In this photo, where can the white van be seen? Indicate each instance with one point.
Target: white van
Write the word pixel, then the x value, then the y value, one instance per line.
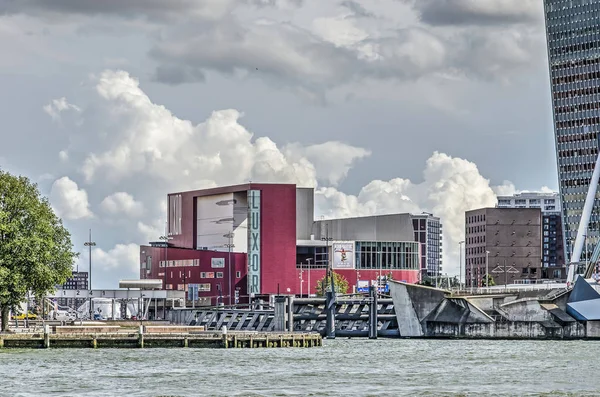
pixel 62 315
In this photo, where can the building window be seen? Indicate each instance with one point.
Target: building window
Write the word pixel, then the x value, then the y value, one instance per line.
pixel 238 274
pixel 204 287
pixel 202 274
pixel 219 274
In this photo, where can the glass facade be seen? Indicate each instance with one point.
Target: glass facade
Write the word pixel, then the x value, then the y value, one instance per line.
pixel 428 231
pixel 387 255
pixel 434 246
pixel 573 38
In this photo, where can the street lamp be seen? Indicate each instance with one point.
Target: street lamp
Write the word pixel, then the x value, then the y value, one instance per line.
pixel 90 244
pixel 329 268
pixel 460 243
pixel 308 287
pixel 229 246
pixel 166 239
pixel 487 273
pixel 301 279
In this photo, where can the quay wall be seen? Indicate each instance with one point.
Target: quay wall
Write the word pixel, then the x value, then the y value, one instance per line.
pixel 513 330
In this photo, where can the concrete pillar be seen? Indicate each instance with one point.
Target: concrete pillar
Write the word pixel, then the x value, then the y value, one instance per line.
pixel 46 336
pixel 290 313
pixel 279 318
pixel 114 309
pixel 373 312
pixel 1 343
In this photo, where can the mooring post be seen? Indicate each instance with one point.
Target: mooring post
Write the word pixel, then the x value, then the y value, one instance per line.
pixel 290 313
pixel 141 337
pixel 224 332
pixel 279 317
pixel 46 336
pixel 373 312
pixel 330 308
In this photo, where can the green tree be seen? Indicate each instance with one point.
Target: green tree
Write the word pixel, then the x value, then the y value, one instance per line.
pixel 490 280
pixel 340 282
pixel 35 248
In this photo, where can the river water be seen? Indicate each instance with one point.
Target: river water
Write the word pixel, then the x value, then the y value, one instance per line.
pixel 342 367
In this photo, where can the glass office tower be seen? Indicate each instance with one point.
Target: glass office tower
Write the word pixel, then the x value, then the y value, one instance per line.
pixel 573 38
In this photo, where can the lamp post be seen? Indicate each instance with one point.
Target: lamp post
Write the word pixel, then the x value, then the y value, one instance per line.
pixel 90 244
pixel 460 266
pixel 329 267
pixel 166 239
pixel 301 279
pixel 471 276
pixel 308 289
pixel 487 273
pixel 229 246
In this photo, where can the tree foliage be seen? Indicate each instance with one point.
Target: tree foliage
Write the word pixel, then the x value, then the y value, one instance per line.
pixel 340 282
pixel 35 248
pixel 490 281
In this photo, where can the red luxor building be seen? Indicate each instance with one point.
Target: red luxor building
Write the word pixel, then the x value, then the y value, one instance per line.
pixel 229 243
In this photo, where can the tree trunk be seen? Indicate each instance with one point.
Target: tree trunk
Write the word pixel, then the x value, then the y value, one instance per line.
pixel 4 327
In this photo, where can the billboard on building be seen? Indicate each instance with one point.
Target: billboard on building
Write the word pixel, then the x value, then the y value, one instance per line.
pixel 343 255
pixel 214 221
pixel 217 263
pixel 253 242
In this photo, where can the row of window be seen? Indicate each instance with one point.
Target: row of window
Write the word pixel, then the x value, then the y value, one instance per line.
pixel 204 287
pixel 578 108
pixel 475 218
pixel 203 274
pixel 578 123
pixel 578 152
pixel 574 65
pixel 576 182
pixel 573 78
pixel 180 263
pixel 570 93
pixel 577 167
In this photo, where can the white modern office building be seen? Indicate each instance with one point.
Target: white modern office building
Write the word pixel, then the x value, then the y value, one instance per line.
pixel 546 202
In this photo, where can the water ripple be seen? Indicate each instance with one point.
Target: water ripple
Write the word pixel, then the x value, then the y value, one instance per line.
pixel 453 368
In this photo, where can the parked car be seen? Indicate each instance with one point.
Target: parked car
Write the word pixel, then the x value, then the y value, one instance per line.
pixel 22 316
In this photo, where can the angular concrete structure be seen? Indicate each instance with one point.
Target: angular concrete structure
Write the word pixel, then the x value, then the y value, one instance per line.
pixel 429 312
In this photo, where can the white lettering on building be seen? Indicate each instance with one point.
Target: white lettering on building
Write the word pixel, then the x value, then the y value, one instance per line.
pixel 254 242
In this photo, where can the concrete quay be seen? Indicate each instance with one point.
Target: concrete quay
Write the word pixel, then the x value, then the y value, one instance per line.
pixel 155 337
pixel 557 313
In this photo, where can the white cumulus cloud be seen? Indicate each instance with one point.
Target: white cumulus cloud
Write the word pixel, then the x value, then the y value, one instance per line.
pixel 69 202
pixel 151 141
pixel 123 259
pixel 122 203
pixel 57 106
pixel 450 187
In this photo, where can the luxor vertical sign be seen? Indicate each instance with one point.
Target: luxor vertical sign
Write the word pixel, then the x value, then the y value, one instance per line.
pixel 254 242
